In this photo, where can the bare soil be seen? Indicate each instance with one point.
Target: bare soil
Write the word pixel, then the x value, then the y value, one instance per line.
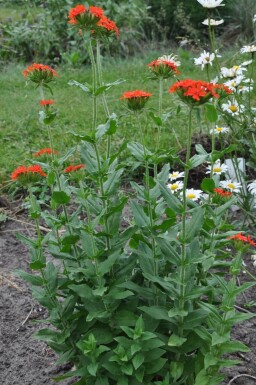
pixel 26 361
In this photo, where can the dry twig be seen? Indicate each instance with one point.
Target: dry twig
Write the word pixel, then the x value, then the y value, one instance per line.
pixel 241 375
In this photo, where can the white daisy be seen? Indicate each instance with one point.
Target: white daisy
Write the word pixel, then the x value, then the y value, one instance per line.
pixel 252 187
pixel 231 186
pixel 243 89
pixel 232 72
pixel 176 175
pixel 211 3
pixel 171 58
pixel 219 130
pixel 253 257
pixel 248 48
pixel 254 19
pixel 176 186
pixel 217 169
pixel 232 107
pixel 204 59
pixel 213 22
pixel 246 63
pixel 193 194
pixel 234 83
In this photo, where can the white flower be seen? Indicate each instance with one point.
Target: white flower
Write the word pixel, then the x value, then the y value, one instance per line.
pixel 211 3
pixel 234 83
pixel 204 59
pixel 217 169
pixel 254 19
pixel 193 194
pixel 253 257
pixel 219 130
pixel 176 175
pixel 171 58
pixel 252 187
pixel 248 48
pixel 213 22
pixel 175 186
pixel 232 107
pixel 246 63
pixel 242 89
pixel 231 186
pixel 232 72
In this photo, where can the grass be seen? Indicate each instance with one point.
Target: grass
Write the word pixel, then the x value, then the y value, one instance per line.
pixel 20 131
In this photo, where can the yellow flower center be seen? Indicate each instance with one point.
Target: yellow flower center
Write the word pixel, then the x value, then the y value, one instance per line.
pixel 231 185
pixel 191 196
pixel 207 58
pixel 217 169
pixel 235 68
pixel 174 186
pixel 233 108
pixel 174 175
pixel 219 129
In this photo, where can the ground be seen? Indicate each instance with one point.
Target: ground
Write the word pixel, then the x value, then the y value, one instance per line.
pixel 26 361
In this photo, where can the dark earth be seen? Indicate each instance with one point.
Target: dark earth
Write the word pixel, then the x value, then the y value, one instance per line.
pixel 26 361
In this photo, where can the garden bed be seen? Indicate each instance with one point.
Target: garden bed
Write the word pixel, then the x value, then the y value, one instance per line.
pixel 29 361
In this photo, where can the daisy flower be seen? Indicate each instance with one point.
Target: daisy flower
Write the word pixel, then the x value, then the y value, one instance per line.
pixel 204 59
pixel 219 130
pixel 248 49
pixel 217 169
pixel 213 22
pixel 211 3
pixel 254 19
pixel 232 72
pixel 232 107
pixel 176 175
pixel 253 257
pixel 252 187
pixel 176 186
pixel 170 58
pixel 231 186
pixel 233 83
pixel 242 89
pixel 193 194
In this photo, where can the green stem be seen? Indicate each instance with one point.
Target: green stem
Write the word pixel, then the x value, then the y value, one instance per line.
pixel 94 85
pixel 212 41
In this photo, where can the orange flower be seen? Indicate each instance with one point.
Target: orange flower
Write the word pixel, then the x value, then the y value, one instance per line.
pixel 243 238
pixel 163 68
pixel 222 192
pixel 74 168
pixel 108 26
pixel 39 73
pixel 45 151
pixel 84 17
pixel 195 92
pixel 136 99
pixel 28 174
pixel 38 67
pixel 46 102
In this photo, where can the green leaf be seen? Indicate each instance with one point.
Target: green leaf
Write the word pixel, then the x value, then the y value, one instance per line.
pixel 60 197
pixel 210 360
pixel 87 88
pixel 156 366
pixel 51 178
pixel 113 181
pixel 156 312
pixel 127 369
pixel 176 370
pixel 70 239
pixel 109 128
pixel 232 347
pixel 93 368
pixel 33 279
pixel 194 225
pixel 211 112
pixel 85 138
pixel 37 265
pixel 175 340
pixel 168 250
pixel 137 151
pixel 102 381
pixel 138 360
pixel 47 117
pixel 196 160
pixel 141 218
pixel 208 185
pixel 195 319
pixel 169 198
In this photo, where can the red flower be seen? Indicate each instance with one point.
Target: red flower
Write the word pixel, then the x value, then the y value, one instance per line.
pixel 222 192
pixel 44 151
pixel 27 172
pixel 164 68
pixel 195 92
pixel 136 99
pixel 38 67
pixel 74 168
pixel 39 73
pixel 46 102
pixel 108 26
pixel 85 17
pixel 243 238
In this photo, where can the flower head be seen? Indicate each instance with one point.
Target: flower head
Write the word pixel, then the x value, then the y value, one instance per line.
pixel 211 3
pixel 29 174
pixel 252 187
pixel 39 73
pixel 193 194
pixel 254 19
pixel 82 16
pixel 45 151
pixel 163 68
pixel 248 49
pixel 234 83
pixel 136 99
pixel 219 191
pixel 204 59
pixel 106 27
pixel 176 186
pixel 217 168
pixel 233 71
pixel 74 168
pixel 213 22
pixel 243 238
pixel 46 102
pixel 233 108
pixel 230 185
pixel 219 130
pixel 170 58
pixel 195 92
pixel 176 175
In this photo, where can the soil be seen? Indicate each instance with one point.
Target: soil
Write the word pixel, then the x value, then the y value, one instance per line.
pixel 26 361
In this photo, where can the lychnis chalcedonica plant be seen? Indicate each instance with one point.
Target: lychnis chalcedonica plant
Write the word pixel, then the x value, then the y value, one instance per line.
pixel 139 287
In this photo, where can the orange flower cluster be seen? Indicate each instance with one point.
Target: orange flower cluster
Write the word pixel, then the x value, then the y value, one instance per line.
pixel 46 102
pixel 22 171
pixel 164 68
pixel 45 151
pixel 92 19
pixel 243 238
pixel 222 192
pixel 136 99
pixel 74 168
pixel 196 91
pixel 38 67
